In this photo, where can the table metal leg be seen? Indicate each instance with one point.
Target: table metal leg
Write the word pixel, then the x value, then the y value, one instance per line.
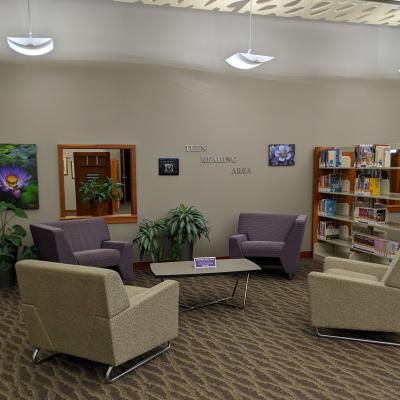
pixel 223 300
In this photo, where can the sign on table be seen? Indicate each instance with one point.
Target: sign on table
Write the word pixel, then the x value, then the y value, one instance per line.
pixel 205 262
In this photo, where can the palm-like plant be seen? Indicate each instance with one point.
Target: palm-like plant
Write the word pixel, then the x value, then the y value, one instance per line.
pixel 185 225
pixel 148 239
pixel 99 191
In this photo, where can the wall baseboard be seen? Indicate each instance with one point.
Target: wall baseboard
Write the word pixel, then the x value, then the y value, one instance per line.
pixel 146 264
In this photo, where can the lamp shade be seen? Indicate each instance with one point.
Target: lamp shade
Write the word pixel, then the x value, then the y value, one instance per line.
pixel 247 60
pixel 31 46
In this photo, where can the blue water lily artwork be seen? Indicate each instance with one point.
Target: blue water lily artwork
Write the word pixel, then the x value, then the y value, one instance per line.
pixel 18 175
pixel 281 155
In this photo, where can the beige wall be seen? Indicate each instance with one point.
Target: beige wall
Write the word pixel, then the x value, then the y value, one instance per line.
pixel 161 110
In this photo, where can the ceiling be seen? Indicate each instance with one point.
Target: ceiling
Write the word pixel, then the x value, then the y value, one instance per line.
pixel 110 31
pixel 355 11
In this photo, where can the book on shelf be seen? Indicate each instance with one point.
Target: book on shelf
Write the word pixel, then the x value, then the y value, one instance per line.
pixel 375 245
pixel 375 185
pixel 382 155
pixel 330 158
pixel 328 207
pixel 331 182
pixel 328 230
pixel 372 155
pixel 343 209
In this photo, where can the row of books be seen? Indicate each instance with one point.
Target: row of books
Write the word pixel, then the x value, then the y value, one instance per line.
pixel 374 245
pixel 367 185
pixel 328 230
pixel 331 182
pixel 372 155
pixel 330 158
pixel 378 215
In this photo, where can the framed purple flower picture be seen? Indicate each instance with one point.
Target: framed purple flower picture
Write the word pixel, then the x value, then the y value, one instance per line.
pixel 18 175
pixel 281 155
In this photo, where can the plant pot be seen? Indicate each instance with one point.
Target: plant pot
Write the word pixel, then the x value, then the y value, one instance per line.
pixel 99 209
pixel 7 278
pixel 187 252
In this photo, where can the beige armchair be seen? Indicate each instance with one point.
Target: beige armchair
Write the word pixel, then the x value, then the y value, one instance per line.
pixel 356 295
pixel 87 312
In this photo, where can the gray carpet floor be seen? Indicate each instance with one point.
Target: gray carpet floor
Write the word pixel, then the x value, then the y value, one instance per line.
pixel 267 351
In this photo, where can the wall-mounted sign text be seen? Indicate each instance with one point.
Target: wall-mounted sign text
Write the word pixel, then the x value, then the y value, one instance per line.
pixel 195 148
pixel 218 159
pixel 241 171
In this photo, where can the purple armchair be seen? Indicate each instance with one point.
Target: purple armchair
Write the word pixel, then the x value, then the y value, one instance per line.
pixel 83 242
pixel 269 236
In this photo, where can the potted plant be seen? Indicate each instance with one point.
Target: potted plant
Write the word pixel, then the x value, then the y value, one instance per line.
pixel 148 239
pixel 99 193
pixel 185 225
pixel 10 242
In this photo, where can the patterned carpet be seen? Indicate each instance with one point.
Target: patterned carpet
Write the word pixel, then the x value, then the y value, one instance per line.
pixel 267 351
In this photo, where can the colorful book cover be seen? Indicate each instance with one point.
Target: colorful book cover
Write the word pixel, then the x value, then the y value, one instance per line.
pixel 375 186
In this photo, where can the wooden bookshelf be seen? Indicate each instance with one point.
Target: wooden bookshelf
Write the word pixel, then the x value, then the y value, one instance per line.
pixel 344 246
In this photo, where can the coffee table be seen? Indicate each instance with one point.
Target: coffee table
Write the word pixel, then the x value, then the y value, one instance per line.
pixel 181 269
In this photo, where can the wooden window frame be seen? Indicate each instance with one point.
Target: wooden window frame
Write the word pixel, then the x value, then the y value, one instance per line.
pixel 111 219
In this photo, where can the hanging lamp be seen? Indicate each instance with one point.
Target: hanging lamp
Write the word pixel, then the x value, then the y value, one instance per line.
pixel 248 60
pixel 29 45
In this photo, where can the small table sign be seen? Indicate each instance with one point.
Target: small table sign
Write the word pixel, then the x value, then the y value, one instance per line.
pixel 205 262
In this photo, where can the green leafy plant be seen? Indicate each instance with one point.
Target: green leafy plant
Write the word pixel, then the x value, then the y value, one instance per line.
pixel 148 239
pixel 11 237
pixel 185 225
pixel 100 191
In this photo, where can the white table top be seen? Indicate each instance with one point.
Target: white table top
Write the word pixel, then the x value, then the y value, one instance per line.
pixel 186 268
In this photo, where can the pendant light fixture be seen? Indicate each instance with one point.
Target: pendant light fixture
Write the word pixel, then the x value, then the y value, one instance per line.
pixel 29 45
pixel 248 60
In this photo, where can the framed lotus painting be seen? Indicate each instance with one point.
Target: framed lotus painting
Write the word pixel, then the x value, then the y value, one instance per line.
pixel 18 175
pixel 281 155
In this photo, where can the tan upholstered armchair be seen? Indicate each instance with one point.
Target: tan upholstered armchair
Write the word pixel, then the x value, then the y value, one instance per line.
pixel 87 312
pixel 356 295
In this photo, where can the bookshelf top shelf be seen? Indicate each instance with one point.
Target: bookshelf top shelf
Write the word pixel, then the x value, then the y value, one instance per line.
pixel 393 146
pixel 362 168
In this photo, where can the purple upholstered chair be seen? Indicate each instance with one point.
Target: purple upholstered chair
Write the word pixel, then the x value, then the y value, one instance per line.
pixel 83 242
pixel 269 236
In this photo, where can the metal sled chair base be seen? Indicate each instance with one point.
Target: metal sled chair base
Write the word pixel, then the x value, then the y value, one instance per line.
pixel 383 342
pixel 111 378
pixel 37 360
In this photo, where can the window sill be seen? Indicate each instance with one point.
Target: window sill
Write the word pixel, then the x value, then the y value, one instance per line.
pixel 110 219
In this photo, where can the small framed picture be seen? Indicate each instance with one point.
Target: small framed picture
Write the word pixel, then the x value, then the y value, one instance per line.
pixel 281 155
pixel 65 160
pixel 168 166
pixel 72 169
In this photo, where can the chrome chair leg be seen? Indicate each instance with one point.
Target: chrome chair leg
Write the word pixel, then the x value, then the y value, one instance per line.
pixel 110 377
pixel 37 360
pixel 383 342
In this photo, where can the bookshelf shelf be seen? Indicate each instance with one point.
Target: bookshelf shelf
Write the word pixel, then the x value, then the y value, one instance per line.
pixel 391 226
pixel 392 196
pixel 338 242
pixel 339 232
pixel 347 244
